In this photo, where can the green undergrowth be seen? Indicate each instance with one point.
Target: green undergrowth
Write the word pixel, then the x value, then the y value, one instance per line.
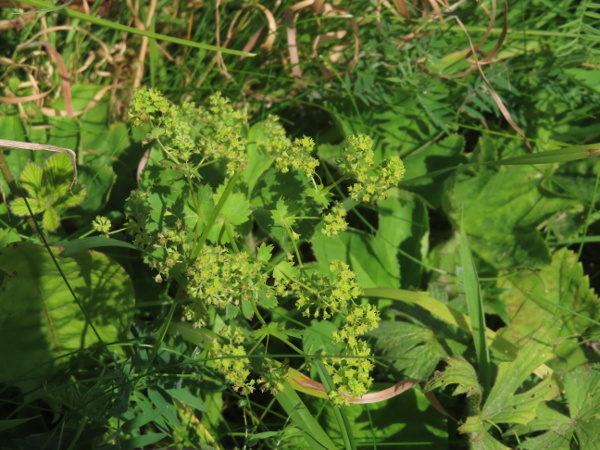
pixel 388 251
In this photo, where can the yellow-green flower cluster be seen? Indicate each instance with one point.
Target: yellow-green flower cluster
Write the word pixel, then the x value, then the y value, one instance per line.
pixel 335 221
pixel 215 132
pixel 337 295
pixel 102 225
pixel 145 105
pixel 170 123
pixel 328 296
pixel 351 373
pixel 371 181
pixel 228 144
pixel 360 320
pixel 222 138
pixel 219 278
pixel 287 154
pixel 273 377
pixel 231 361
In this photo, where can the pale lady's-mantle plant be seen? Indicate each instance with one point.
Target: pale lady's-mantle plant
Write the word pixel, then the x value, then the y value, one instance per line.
pixel 223 209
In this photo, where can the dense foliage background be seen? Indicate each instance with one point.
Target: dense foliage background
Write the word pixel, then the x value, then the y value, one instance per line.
pixel 209 249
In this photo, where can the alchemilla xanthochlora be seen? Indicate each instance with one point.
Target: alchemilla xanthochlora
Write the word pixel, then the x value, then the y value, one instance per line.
pixel 226 212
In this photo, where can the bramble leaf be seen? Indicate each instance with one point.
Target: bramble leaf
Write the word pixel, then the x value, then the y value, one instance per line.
pixel 49 190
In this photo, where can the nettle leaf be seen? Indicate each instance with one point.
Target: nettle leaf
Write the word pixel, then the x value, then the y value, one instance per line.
pixel 412 350
pixel 537 299
pixel 582 389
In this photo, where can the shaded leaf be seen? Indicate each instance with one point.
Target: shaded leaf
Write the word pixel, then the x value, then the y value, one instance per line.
pixel 40 322
pixel 536 299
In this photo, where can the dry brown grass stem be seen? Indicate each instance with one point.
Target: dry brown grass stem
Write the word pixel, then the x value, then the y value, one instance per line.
pixel 140 25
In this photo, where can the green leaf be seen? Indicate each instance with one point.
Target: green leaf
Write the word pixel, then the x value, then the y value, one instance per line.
pixel 142 441
pixel 543 299
pixel 8 424
pixel 50 189
pixel 31 178
pixel 278 193
pixel 143 419
pixel 372 260
pixel 413 424
pixel 258 160
pixel 556 430
pixel 255 438
pixel 19 207
pixel 503 405
pixel 319 195
pixel 263 252
pixel 502 210
pixel 58 170
pixel 40 322
pixel 403 230
pixel 285 270
pixel 280 215
pixel 412 349
pixel 582 388
pixel 446 153
pixel 235 211
pixel 98 179
pixel 458 372
pixel 50 219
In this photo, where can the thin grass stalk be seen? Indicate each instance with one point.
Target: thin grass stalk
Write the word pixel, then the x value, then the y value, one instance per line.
pixel 339 413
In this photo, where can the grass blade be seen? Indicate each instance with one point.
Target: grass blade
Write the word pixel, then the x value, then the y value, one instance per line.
pixel 291 402
pixel 117 26
pixel 475 308
pixel 572 153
